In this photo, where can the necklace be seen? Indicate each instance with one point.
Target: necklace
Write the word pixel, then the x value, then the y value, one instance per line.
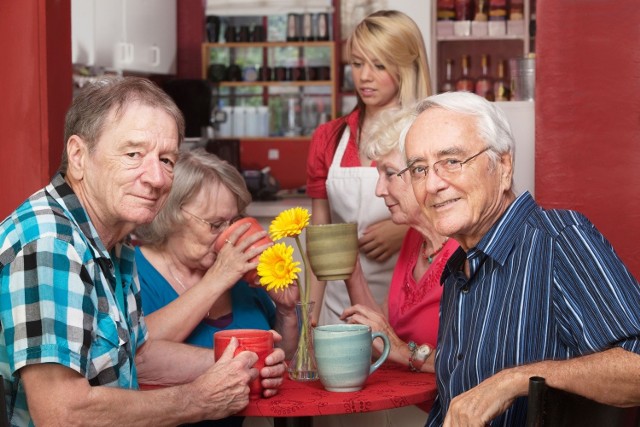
pixel 184 288
pixel 429 257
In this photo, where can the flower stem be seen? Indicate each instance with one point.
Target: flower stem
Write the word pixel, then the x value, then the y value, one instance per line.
pixel 305 262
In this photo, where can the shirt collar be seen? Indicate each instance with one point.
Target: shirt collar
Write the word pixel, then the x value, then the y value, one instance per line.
pixel 502 237
pixel 63 194
pixel 499 240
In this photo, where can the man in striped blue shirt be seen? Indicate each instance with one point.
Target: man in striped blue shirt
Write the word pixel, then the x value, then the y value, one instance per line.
pixel 73 341
pixel 530 292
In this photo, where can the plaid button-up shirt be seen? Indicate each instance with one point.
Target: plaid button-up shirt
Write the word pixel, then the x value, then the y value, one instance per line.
pixel 63 298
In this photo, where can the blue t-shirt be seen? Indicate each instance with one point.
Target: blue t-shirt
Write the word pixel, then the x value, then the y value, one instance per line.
pixel 252 308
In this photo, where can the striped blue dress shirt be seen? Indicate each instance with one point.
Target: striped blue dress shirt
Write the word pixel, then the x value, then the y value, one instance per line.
pixel 544 284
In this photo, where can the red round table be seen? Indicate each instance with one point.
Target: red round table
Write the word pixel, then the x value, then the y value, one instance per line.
pixel 391 386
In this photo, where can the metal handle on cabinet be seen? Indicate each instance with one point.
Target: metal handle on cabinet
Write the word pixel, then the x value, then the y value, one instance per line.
pixel 155 54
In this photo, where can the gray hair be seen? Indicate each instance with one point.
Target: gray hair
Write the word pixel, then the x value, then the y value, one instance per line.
pixel 491 122
pixel 388 132
pixel 92 106
pixel 195 170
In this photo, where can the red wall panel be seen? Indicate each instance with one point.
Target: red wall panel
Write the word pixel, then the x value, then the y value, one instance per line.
pixel 35 83
pixel 588 115
pixel 190 37
pixel 290 169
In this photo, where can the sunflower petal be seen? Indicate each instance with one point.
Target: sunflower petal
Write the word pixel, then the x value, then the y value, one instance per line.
pixel 289 223
pixel 276 267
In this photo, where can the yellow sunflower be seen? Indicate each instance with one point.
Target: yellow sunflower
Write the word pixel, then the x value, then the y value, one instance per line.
pixel 276 267
pixel 289 223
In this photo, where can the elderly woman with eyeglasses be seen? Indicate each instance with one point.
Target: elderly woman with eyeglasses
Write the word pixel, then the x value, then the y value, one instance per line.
pixel 409 315
pixel 189 291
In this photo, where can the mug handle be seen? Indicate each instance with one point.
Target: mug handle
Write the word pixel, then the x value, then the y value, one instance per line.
pixel 385 351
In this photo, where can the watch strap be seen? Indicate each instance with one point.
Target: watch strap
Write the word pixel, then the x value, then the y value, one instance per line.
pixel 420 353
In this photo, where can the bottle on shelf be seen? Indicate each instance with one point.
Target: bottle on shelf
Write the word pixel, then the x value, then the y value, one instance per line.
pixel 465 82
pixel 322 29
pixel 446 10
pixel 448 85
pixel 482 11
pixel 484 84
pixel 501 90
pixel 464 10
pixel 293 27
pixel 532 26
pixel 516 10
pixel 497 10
pixel 307 28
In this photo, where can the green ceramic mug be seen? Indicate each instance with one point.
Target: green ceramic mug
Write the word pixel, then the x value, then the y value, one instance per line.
pixel 343 355
pixel 332 250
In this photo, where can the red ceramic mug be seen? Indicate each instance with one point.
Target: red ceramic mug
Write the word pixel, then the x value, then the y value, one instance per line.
pixel 255 227
pixel 256 340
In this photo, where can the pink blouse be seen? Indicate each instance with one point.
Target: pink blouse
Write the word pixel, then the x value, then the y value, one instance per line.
pixel 414 307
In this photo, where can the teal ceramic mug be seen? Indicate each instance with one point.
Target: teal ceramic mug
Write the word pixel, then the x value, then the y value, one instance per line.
pixel 343 355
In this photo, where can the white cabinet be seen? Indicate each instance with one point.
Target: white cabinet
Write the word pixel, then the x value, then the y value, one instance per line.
pixel 521 116
pixel 125 35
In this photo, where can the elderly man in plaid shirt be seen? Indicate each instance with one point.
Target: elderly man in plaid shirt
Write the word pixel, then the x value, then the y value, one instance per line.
pixel 73 343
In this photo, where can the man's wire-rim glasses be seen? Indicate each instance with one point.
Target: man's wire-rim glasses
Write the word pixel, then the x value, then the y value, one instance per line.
pixel 443 168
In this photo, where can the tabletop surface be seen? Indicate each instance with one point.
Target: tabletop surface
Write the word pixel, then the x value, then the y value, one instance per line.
pixel 391 386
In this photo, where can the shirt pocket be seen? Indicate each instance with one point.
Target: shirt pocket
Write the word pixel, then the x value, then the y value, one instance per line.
pixel 110 351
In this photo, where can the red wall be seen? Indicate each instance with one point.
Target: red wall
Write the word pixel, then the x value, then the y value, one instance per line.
pixel 190 38
pixel 290 169
pixel 588 115
pixel 35 83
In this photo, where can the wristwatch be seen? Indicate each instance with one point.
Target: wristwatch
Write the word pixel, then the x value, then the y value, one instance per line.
pixel 419 353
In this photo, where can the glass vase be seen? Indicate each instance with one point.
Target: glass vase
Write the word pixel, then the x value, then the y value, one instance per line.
pixel 302 366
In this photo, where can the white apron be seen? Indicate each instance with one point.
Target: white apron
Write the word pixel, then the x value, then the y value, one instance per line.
pixel 352 198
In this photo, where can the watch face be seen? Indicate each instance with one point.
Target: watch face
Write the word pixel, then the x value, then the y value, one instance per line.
pixel 423 352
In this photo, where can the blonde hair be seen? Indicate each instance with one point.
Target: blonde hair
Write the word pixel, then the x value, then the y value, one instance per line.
pixel 394 39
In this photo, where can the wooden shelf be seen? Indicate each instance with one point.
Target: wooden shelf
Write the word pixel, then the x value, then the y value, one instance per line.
pixel 267 45
pixel 499 47
pixel 475 38
pixel 278 83
pixel 207 48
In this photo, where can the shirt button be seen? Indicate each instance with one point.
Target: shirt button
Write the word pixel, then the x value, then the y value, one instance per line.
pixel 465 289
pixel 109 264
pixel 460 356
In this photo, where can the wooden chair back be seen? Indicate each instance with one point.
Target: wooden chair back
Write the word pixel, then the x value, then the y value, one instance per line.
pixel 551 407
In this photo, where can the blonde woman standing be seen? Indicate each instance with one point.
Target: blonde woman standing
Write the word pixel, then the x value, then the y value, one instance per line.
pixel 390 70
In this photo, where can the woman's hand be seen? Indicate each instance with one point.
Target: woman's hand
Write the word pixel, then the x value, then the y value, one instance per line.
pixel 286 317
pixel 235 257
pixel 381 240
pixel 285 299
pixel 272 375
pixel 378 322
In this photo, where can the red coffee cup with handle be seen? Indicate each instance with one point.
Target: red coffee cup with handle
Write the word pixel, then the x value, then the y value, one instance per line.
pixel 255 227
pixel 256 340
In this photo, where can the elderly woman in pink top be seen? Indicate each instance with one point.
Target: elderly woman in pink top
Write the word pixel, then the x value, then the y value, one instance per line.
pixel 409 314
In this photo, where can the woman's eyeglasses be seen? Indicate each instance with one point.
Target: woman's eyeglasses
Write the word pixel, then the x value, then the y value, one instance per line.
pixel 218 226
